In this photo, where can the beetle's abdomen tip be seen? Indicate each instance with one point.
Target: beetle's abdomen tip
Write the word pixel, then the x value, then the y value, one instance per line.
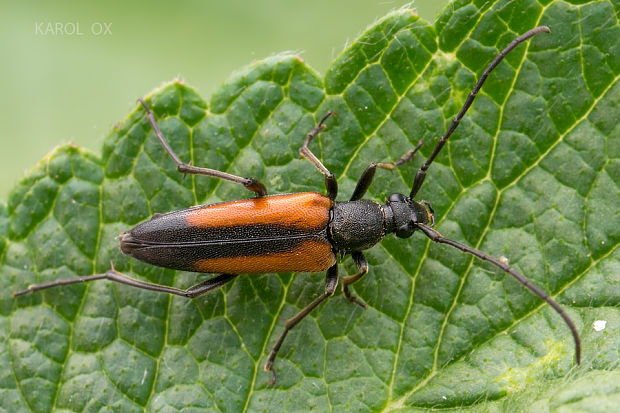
pixel 128 243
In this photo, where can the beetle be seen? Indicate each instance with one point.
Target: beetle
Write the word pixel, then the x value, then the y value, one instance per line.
pixel 300 232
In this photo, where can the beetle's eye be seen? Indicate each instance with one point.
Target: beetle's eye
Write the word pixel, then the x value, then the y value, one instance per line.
pixel 405 230
pixel 396 198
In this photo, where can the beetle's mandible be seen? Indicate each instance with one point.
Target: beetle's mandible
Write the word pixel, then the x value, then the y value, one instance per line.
pixel 301 232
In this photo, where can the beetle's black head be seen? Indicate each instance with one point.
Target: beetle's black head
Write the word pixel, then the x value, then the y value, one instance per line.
pixel 406 213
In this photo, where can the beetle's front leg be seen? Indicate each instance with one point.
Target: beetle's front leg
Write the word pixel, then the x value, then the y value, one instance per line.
pixel 369 173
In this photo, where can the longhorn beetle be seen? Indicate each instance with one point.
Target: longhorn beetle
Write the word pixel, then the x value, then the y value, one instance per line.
pixel 302 232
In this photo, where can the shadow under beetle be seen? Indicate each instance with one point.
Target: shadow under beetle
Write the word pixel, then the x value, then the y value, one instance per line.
pixel 302 232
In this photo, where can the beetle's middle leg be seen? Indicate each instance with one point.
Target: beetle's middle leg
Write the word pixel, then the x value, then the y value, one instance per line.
pixel 369 173
pixel 362 269
pixel 331 281
pixel 252 184
pixel 330 181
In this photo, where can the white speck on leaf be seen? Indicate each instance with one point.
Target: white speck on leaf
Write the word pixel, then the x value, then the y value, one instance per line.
pixel 599 325
pixel 143 376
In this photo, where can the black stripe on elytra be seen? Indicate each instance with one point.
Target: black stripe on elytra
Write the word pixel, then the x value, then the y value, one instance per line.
pixel 183 256
pixel 173 228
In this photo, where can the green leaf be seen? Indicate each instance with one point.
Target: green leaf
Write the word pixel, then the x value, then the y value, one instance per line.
pixel 531 174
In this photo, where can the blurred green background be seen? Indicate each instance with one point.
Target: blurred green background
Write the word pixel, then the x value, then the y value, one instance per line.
pixel 58 87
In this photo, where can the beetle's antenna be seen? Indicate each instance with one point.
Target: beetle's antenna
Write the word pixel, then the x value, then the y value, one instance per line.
pixel 437 237
pixel 421 174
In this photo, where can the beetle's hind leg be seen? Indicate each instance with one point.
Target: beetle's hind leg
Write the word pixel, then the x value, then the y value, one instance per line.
pixel 113 275
pixel 330 181
pixel 331 281
pixel 362 269
pixel 252 184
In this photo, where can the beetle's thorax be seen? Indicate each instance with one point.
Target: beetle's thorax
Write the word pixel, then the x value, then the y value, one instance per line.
pixel 356 225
